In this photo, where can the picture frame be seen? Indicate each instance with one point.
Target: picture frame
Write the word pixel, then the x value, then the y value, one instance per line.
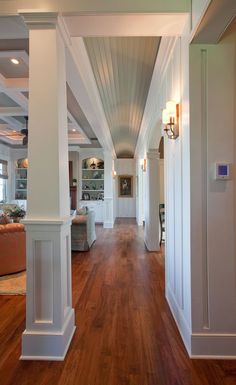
pixel 125 186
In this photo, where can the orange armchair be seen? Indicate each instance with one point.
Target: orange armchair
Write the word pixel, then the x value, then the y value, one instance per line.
pixel 12 248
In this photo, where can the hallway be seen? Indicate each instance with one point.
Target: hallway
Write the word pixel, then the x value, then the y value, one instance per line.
pixel 125 332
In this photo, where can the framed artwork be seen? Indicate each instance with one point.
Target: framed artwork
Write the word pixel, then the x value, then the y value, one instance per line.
pixel 125 186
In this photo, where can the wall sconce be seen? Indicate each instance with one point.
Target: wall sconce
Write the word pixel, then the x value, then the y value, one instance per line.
pixel 144 165
pixel 170 118
pixel 114 173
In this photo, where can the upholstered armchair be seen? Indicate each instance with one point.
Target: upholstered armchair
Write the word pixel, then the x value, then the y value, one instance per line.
pixel 83 232
pixel 12 248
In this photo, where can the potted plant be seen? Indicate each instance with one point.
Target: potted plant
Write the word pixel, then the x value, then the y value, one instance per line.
pixel 16 213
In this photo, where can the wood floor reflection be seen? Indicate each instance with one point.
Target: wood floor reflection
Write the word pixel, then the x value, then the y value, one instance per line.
pixel 125 332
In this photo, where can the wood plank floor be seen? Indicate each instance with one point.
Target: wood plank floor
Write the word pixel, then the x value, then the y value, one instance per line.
pixel 125 332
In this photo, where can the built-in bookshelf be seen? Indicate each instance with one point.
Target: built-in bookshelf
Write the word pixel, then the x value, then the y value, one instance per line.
pixel 92 179
pixel 21 179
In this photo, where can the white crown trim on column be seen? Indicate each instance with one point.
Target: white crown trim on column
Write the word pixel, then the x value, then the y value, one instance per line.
pixel 39 19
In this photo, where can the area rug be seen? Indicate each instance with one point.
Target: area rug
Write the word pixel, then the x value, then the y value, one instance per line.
pixel 13 284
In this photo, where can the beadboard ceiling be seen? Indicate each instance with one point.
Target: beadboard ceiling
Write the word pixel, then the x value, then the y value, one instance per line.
pixel 123 67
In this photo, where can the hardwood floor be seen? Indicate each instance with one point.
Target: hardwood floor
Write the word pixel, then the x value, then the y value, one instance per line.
pixel 125 332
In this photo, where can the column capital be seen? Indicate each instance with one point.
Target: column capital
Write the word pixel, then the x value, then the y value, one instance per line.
pixel 39 19
pixel 153 154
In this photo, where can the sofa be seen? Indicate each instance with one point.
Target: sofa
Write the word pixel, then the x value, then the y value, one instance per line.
pixel 12 248
pixel 83 232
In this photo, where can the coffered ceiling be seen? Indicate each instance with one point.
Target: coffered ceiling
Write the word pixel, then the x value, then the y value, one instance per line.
pixel 107 94
pixel 122 70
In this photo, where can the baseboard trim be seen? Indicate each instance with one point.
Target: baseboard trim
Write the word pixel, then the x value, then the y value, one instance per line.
pixel 180 320
pixel 48 346
pixel 108 225
pixel 213 345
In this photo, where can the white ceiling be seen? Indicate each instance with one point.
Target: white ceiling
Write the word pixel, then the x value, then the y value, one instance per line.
pixel 120 68
pixel 14 85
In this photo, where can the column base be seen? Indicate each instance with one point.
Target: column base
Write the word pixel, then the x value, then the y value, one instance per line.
pixel 108 225
pixel 50 346
pixel 152 245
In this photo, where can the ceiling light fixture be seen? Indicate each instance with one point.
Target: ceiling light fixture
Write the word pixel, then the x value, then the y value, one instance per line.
pixel 73 129
pixel 15 61
pixel 170 118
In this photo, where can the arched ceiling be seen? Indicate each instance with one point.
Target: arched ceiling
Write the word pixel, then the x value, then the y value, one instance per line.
pixel 123 68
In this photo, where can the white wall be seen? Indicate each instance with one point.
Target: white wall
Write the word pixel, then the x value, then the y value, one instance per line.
pixel 173 79
pixel 141 179
pixel 162 180
pixel 175 86
pixel 213 132
pixel 74 158
pixel 126 207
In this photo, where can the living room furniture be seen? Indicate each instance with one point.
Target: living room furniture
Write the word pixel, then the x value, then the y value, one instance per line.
pixel 12 248
pixel 162 221
pixel 83 232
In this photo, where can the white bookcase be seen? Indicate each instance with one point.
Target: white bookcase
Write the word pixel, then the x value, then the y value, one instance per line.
pixel 92 185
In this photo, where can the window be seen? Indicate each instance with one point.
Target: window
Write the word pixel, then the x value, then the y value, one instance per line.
pixel 3 180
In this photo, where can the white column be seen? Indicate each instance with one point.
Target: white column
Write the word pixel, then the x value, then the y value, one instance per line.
pixel 151 234
pixel 140 197
pixel 49 314
pixel 108 191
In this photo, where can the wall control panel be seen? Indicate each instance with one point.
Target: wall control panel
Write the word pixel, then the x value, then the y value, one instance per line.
pixel 222 171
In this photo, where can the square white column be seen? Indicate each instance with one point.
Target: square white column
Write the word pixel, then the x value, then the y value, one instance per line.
pixel 151 234
pixel 49 314
pixel 108 191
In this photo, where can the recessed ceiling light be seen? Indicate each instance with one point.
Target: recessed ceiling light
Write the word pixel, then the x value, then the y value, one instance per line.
pixel 73 129
pixel 15 61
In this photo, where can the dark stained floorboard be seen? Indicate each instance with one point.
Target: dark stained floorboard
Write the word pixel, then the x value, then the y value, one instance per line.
pixel 125 332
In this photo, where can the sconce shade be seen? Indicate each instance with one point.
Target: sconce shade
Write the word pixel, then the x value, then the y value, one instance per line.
pixel 170 118
pixel 171 108
pixel 165 116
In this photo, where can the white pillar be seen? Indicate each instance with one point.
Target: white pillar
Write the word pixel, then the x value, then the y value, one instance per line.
pixel 108 191
pixel 151 235
pixel 49 314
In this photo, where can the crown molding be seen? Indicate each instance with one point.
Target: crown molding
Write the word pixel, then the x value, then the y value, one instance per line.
pixel 39 19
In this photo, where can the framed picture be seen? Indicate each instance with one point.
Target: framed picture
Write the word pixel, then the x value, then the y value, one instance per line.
pixel 125 186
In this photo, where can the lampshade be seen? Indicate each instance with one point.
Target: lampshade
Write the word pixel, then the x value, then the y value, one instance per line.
pixel 165 116
pixel 171 108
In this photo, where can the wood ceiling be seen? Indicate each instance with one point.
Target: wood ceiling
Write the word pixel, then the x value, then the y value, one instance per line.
pixel 123 68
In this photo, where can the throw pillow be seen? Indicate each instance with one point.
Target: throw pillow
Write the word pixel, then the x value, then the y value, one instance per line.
pixel 82 211
pixel 4 219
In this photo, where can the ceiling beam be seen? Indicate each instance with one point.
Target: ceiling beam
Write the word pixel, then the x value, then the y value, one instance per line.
pixel 13 123
pixel 143 24
pixel 12 111
pixel 77 126
pixel 13 92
